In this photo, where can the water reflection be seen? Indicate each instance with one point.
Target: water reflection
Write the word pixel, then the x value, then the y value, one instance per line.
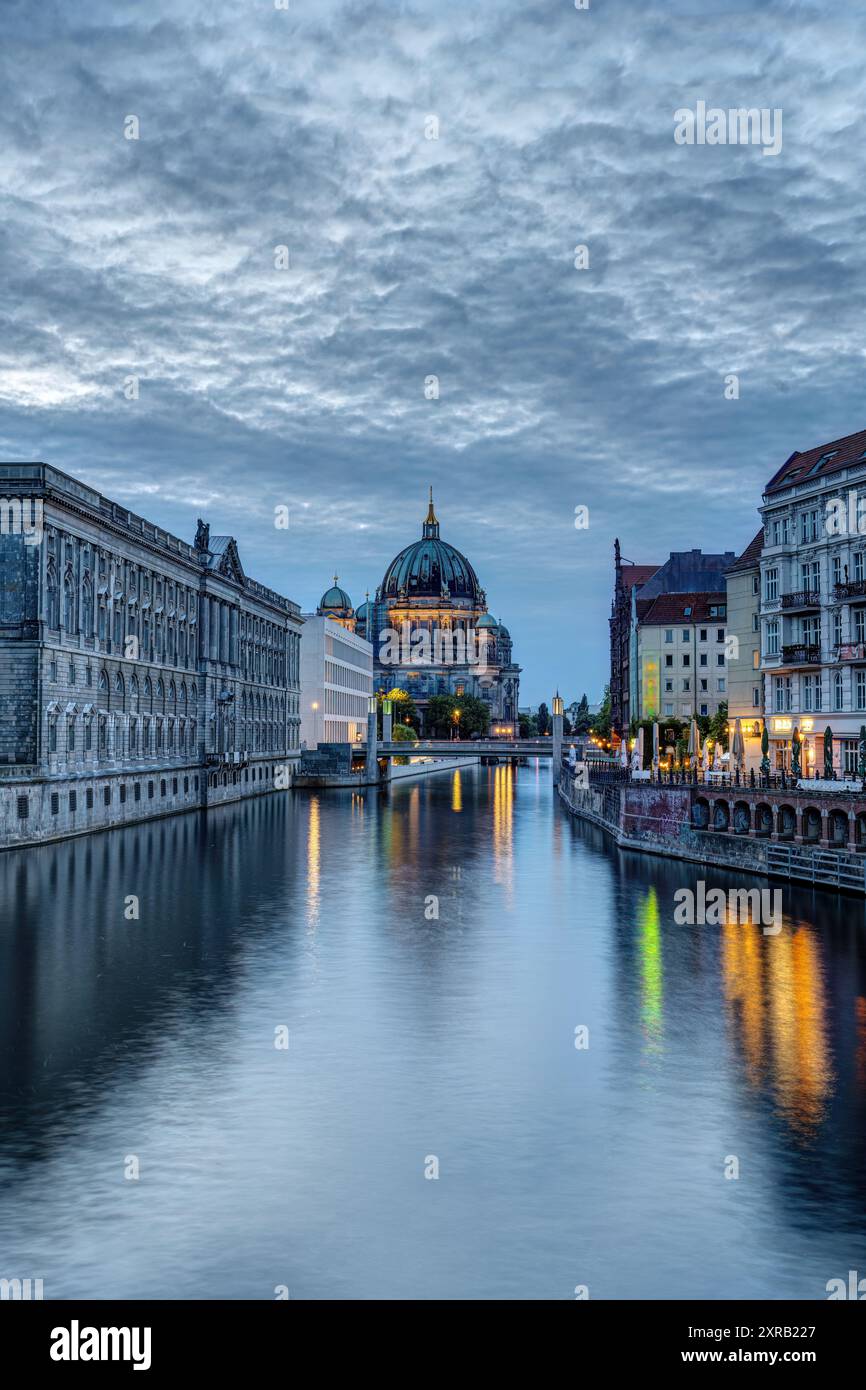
pixel 414 1034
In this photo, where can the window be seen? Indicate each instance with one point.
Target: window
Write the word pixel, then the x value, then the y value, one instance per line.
pixel 772 643
pixel 688 611
pixel 55 803
pixel 812 692
pixel 669 661
pixel 136 792
pixel 720 659
pixel 720 634
pixel 756 697
pixel 703 658
pixel 687 661
pixel 52 671
pixel 23 807
pixel 756 622
pixel 850 750
pixel 703 636
pixel 771 585
pixel 810 576
pixel 150 791
pixel 71 673
pixel 687 685
pixel 837 570
pixel 837 629
pixel 669 634
pixel 838 691
pixel 174 786
pixel 860 624
pixel 89 798
pixel 858 565
pixel 669 709
pixel 669 685
pixel 162 787
pixel 756 660
pixel 704 686
pixel 705 709
pixel 781 694
pixel 106 795
pixel 860 689
pixel 721 682
pixel 687 636
pixel 756 584
pixel 122 794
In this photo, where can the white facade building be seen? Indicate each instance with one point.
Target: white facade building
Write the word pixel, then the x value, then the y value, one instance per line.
pixel 336 682
pixel 813 603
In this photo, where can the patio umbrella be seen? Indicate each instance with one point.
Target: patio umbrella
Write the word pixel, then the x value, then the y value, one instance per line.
pixel 694 749
pixel 861 753
pixel 717 755
pixel 739 747
pixel 623 751
pixel 655 745
pixel 637 752
pixel 765 751
pixel 796 754
pixel 706 756
pixel 828 753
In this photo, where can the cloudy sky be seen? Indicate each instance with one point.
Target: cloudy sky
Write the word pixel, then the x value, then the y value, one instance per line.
pixel 410 257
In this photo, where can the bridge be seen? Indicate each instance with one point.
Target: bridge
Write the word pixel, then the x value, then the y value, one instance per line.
pixel 468 748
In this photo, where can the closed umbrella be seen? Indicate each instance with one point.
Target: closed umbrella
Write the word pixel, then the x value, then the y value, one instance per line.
pixel 706 756
pixel 796 755
pixel 637 752
pixel 623 751
pixel 655 745
pixel 765 752
pixel 861 753
pixel 828 753
pixel 739 747
pixel 694 749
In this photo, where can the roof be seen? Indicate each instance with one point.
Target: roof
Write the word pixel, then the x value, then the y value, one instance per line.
pixel 669 609
pixel 636 574
pixel 750 556
pixel 851 448
pixel 690 572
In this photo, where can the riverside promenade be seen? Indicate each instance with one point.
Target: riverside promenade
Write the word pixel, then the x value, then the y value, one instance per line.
pixel 773 828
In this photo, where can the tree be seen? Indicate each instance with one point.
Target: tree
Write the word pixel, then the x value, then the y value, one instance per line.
pixel 601 725
pixel 528 726
pixel 581 721
pixel 718 727
pixel 474 715
pixel 404 707
pixel 440 709
pixel 543 718
pixel 404 734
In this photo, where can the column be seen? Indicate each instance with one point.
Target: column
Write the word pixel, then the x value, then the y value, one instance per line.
pixel 556 738
pixel 372 765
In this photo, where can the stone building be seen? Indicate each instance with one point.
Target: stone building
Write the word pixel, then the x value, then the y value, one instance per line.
pixel 336 673
pixel 813 602
pixel 139 674
pixel 745 681
pixel 682 655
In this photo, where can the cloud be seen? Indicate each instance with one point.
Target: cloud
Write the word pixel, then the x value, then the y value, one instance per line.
pixel 411 257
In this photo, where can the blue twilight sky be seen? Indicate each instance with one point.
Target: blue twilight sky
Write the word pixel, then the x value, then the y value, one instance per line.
pixel 411 257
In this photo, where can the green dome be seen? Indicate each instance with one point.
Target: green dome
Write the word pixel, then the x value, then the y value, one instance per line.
pixel 335 597
pixel 486 621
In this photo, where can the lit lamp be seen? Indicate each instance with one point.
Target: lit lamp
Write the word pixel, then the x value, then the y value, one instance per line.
pixel 558 705
pixel 387 710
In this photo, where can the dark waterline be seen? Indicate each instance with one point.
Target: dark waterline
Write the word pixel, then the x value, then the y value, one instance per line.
pixel 412 1038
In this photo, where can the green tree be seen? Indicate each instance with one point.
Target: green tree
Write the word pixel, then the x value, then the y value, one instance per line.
pixel 582 719
pixel 543 718
pixel 528 726
pixel 601 726
pixel 474 715
pixel 403 707
pixel 440 709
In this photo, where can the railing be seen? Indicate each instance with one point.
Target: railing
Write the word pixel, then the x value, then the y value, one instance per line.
pixel 801 654
pixel 852 588
pixel 699 777
pixel 850 651
pixel 802 598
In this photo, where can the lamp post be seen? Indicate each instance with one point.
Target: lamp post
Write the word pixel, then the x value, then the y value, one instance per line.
pixel 372 763
pixel 455 732
pixel 387 717
pixel 558 711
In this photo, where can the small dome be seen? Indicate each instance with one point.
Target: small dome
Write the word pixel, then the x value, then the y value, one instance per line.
pixel 335 598
pixel 365 612
pixel 486 621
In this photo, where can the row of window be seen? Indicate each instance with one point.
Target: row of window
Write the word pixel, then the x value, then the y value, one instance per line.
pixel 811 692
pixel 685 709
pixel 687 661
pixel 810 575
pixel 703 634
pixel 704 685
pixel 23 802
pixel 810 631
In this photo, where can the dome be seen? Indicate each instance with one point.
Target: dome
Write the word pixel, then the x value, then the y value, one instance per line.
pixel 486 621
pixel 426 567
pixel 335 597
pixel 364 613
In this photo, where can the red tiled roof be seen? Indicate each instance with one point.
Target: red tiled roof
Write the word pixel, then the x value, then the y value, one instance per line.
pixel 669 609
pixel 636 574
pixel 850 449
pixel 750 556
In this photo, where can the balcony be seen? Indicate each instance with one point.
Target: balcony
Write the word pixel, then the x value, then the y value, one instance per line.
pixel 850 651
pixel 802 598
pixel 854 588
pixel 800 654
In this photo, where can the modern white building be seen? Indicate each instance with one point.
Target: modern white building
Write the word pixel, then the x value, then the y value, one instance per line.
pixel 813 602
pixel 336 682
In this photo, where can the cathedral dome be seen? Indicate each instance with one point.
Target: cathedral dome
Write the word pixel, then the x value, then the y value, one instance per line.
pixel 486 621
pixel 427 567
pixel 335 599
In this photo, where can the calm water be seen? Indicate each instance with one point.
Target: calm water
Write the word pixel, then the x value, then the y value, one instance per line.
pixel 410 1038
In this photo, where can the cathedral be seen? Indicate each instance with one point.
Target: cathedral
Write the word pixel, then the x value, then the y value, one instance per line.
pixel 431 632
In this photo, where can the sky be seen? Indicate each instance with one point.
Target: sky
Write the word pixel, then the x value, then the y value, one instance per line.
pixel 264 384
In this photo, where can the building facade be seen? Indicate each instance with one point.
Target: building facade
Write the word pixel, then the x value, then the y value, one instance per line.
pixel 813 602
pixel 432 634
pixel 139 675
pixel 745 678
pixel 682 656
pixel 336 674
pixel 628 580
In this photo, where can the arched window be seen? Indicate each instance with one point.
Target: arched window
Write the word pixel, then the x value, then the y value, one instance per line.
pixel 87 606
pixel 172 693
pixel 147 688
pixel 160 690
pixel 118 685
pixel 838 690
pixel 103 680
pixel 68 604
pixel 53 606
pixel 133 692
